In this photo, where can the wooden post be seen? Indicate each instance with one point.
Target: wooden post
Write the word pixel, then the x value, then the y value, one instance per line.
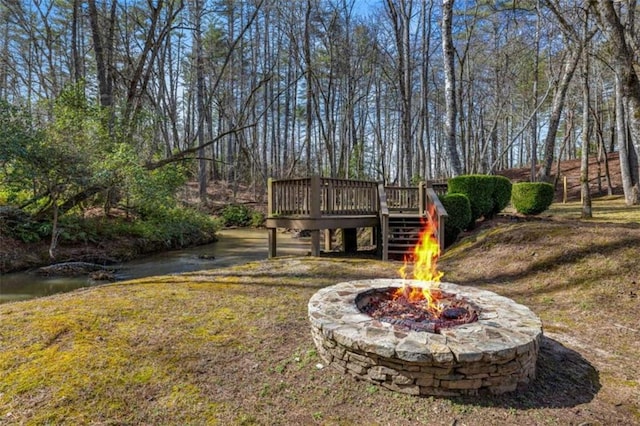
pixel 564 191
pixel 272 231
pixel 272 242
pixel 315 213
pixel 269 197
pixel 350 240
pixel 440 216
pixel 328 235
pixel 421 199
pixel 315 242
pixel 384 237
pixel 441 241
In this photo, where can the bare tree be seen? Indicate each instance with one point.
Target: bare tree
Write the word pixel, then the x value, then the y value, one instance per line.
pixel 586 128
pixel 103 40
pixel 448 53
pixel 400 13
pixel 627 91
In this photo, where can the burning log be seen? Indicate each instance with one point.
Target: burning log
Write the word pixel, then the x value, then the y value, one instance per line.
pixel 415 313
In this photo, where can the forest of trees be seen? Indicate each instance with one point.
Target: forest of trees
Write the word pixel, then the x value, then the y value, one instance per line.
pixel 118 97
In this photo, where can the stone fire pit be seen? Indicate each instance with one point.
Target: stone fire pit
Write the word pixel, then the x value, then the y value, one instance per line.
pixel 495 354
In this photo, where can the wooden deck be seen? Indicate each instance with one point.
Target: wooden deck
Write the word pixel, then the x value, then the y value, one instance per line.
pixel 318 203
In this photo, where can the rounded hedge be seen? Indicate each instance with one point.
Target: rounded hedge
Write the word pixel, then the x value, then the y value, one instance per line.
pixel 532 197
pixel 502 188
pixel 458 208
pixel 479 190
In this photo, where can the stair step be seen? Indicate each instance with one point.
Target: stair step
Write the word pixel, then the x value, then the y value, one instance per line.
pixel 404 234
pixel 404 231
pixel 401 246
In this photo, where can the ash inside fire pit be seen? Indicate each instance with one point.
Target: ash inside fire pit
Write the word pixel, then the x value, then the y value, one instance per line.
pixel 391 305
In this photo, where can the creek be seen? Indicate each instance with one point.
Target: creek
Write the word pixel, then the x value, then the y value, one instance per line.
pixel 234 246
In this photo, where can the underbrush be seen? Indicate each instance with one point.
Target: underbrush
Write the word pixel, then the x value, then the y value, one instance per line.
pixel 172 227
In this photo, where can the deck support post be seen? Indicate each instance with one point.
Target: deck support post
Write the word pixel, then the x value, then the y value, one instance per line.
pixel 350 240
pixel 328 236
pixel 315 242
pixel 316 213
pixel 272 242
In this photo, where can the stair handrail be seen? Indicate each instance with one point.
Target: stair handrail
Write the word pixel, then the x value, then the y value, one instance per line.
pixel 440 213
pixel 383 211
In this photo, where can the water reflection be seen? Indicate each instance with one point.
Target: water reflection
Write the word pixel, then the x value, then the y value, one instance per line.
pixel 235 246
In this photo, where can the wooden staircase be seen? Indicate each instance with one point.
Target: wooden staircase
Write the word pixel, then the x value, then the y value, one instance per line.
pixel 403 214
pixel 404 232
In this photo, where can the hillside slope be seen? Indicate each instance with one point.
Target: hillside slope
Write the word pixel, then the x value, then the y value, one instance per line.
pixel 571 169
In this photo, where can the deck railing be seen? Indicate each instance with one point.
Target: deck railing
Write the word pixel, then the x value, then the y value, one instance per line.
pixel 439 213
pixel 319 196
pixel 348 197
pixel 403 198
pixel 439 187
pixel 384 221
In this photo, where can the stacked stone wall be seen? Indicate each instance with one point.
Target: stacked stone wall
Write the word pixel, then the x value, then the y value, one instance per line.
pixel 496 354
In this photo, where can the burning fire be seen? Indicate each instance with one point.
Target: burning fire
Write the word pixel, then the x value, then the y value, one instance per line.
pixel 424 258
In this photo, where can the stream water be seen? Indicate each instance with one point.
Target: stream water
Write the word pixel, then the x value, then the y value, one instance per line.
pixel 234 246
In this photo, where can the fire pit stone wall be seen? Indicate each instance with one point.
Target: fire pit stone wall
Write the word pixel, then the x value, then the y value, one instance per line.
pixel 496 354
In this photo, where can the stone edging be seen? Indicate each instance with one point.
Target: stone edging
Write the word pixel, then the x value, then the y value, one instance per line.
pixel 496 353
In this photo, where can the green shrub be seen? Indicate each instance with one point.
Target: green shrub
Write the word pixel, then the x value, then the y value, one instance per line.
pixel 236 215
pixel 180 227
pixel 532 197
pixel 16 223
pixel 459 209
pixel 257 219
pixel 501 193
pixel 479 190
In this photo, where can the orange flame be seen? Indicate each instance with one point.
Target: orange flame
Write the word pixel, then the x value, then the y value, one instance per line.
pixel 424 258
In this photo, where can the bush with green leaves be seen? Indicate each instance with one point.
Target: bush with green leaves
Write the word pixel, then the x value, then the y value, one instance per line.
pixel 257 219
pixel 501 193
pixel 532 198
pixel 479 190
pixel 16 223
pixel 179 227
pixel 458 208
pixel 488 194
pixel 236 215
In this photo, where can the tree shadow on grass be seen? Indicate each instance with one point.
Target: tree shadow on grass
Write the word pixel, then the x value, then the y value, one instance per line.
pixel 563 379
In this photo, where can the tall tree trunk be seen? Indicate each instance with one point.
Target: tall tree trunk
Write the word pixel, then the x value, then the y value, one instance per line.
pixel 586 128
pixel 544 174
pixel 75 42
pixel 450 86
pixel 308 77
pixel 629 91
pixel 624 148
pixel 536 78
pixel 102 49
pixel 200 95
pixel 425 169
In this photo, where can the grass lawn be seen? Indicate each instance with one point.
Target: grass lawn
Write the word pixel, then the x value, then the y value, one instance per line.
pixel 232 346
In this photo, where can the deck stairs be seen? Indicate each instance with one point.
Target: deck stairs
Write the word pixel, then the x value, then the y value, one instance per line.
pixel 404 232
